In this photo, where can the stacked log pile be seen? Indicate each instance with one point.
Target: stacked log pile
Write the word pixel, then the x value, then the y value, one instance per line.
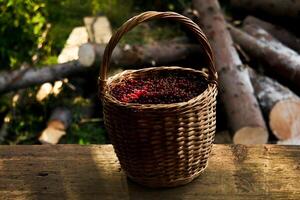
pixel 260 104
pixel 244 116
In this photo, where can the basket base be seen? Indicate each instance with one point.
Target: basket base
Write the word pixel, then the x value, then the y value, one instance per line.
pixel 155 183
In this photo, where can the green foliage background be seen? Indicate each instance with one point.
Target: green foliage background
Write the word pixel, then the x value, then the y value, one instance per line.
pixel 21 25
pixel 23 22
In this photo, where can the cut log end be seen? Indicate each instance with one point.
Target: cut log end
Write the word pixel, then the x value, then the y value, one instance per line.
pixel 292 141
pixel 284 119
pixel 251 135
pixel 87 55
pixel 52 134
pixel 58 123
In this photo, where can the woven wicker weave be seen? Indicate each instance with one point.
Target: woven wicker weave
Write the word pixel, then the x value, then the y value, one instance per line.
pixel 160 145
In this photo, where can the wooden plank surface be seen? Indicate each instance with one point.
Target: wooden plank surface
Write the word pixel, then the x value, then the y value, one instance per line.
pixel 93 172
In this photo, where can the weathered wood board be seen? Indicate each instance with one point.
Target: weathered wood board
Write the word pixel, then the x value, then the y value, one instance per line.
pixel 93 172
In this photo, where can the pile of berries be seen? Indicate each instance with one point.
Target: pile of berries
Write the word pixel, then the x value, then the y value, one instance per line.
pixel 161 88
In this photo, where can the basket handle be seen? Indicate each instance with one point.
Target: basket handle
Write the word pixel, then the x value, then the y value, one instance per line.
pixel 146 16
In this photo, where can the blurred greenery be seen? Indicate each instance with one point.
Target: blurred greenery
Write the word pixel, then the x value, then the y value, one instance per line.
pixel 23 24
pixel 28 117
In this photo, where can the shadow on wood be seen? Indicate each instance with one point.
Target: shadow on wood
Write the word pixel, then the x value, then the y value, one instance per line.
pixel 60 172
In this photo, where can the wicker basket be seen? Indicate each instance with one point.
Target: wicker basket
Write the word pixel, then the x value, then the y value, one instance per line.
pixel 160 145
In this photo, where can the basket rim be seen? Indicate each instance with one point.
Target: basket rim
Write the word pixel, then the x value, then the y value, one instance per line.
pixel 107 96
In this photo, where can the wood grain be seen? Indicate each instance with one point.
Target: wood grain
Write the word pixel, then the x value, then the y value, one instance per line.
pixel 93 172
